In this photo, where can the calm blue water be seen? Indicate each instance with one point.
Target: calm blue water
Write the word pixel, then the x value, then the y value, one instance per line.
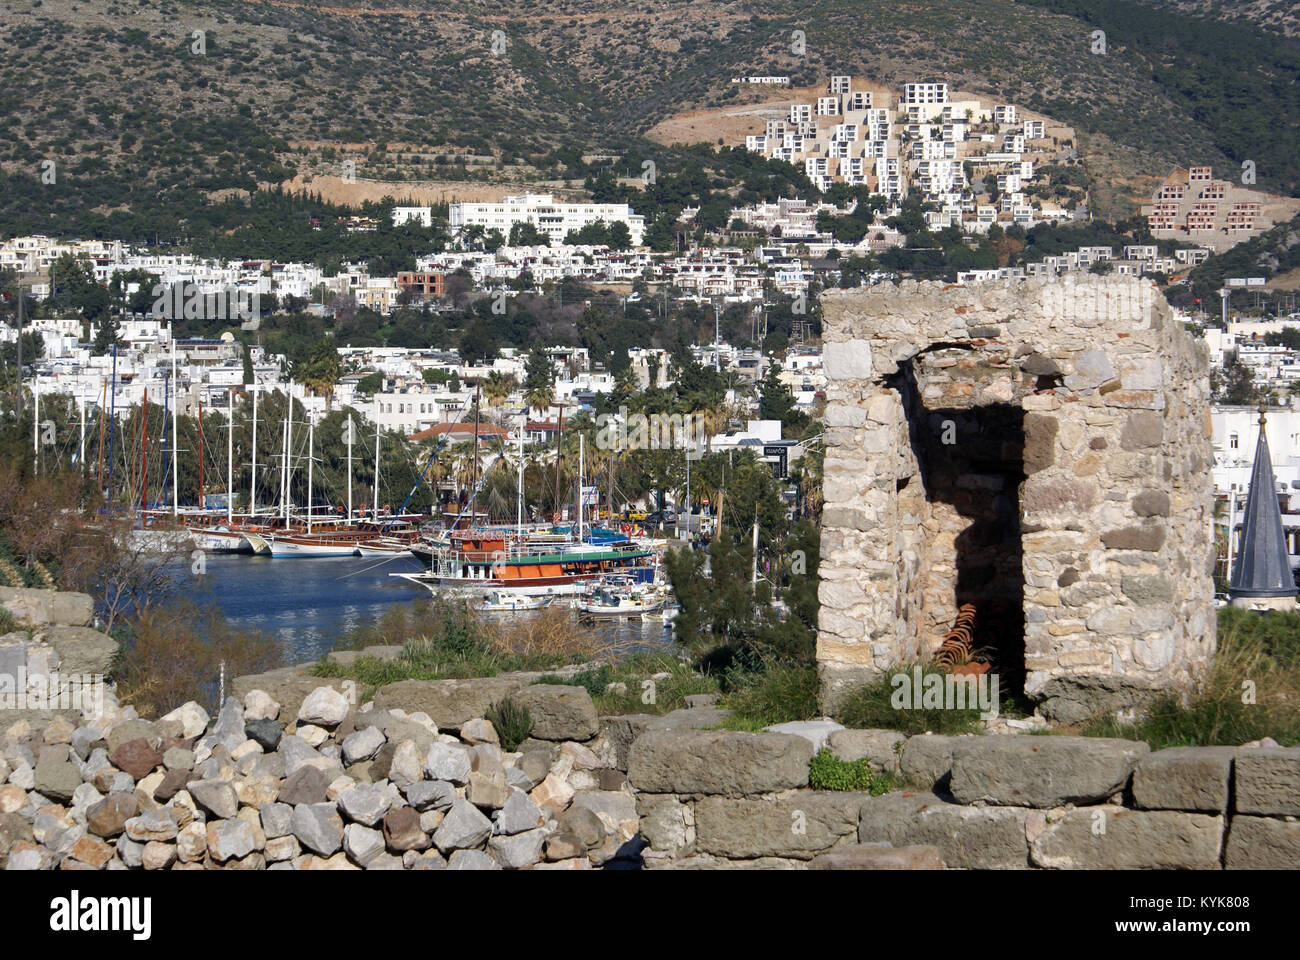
pixel 308 603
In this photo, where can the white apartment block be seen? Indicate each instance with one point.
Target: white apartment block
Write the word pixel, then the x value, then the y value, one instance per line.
pixel 542 211
pixel 422 215
pixel 828 106
pixel 924 93
pixel 36 253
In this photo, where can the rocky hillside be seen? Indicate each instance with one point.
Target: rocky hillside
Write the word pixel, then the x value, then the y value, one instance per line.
pixel 161 106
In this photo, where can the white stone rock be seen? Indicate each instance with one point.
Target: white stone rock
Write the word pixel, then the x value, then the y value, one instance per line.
pixel 362 844
pixel 407 766
pixel 245 749
pixel 324 707
pixel 313 734
pixel 258 705
pixel 192 717
pixel 362 745
pixel 848 360
pixel 448 762
pixel 816 732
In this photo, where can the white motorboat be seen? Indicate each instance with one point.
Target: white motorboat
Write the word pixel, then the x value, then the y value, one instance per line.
pixel 501 602
pixel 607 602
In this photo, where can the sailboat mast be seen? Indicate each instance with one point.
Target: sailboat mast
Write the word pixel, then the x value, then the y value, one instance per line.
pixel 311 440
pixel 376 511
pixel 203 503
pixel 81 445
pixel 559 439
pixel 519 502
pixel 176 477
pixel 230 458
pixel 99 476
pixel 350 429
pixel 252 483
pixel 581 438
pixel 284 465
pixel 112 423
pixel 474 467
pixel 144 453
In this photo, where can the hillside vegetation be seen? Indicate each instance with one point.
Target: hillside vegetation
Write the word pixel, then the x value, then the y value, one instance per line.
pixel 150 120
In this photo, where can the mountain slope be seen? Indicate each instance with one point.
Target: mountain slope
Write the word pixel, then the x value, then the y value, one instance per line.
pixel 143 130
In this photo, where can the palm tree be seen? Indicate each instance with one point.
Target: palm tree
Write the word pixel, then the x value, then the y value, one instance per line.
pixel 540 397
pixel 710 419
pixel 497 387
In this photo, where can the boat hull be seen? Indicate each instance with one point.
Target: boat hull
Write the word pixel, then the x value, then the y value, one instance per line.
pixel 290 547
pixel 596 612
pixel 541 587
pixel 220 541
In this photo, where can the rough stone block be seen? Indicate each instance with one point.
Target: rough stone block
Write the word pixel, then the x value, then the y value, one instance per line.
pixel 1029 771
pixel 873 856
pixel 1268 780
pixel 38 607
pixel 926 760
pixel 559 712
pixel 973 838
pixel 718 762
pixel 799 827
pixel 881 747
pixel 450 703
pixel 816 732
pixel 847 360
pixel 1184 778
pixel 1262 843
pixel 1113 838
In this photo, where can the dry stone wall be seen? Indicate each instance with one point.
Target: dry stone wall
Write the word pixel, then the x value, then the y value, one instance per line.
pixel 313 782
pixel 53 662
pixel 972 802
pixel 1038 448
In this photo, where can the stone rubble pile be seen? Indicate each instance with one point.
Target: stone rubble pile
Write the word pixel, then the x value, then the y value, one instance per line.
pixel 317 785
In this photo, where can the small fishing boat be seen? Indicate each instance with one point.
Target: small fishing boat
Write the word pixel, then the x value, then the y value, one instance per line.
pixel 606 602
pixel 500 602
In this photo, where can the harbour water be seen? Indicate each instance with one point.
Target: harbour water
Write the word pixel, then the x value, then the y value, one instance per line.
pixel 308 604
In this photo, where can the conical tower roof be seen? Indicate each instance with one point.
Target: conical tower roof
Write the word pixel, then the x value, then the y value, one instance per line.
pixel 1262 568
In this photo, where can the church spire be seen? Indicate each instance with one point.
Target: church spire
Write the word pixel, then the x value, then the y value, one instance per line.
pixel 1262 576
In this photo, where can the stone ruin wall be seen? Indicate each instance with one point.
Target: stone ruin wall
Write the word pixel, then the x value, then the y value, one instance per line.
pixel 1057 426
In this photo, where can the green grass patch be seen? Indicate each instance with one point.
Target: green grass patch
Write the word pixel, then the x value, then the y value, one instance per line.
pixel 593 680
pixel 828 772
pixel 443 640
pixel 877 705
pixel 642 694
pixel 779 694
pixel 1251 691
pixel 743 724
pixel 511 721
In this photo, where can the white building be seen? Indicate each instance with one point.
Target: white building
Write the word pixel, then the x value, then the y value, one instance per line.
pixel 423 215
pixel 543 212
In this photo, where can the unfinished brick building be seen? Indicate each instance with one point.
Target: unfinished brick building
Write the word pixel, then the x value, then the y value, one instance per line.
pixel 1040 449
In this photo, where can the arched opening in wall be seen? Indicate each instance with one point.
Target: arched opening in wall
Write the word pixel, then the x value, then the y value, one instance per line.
pixel 970 450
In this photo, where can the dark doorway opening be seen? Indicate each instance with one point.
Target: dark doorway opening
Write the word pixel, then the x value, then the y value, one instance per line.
pixel 972 471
